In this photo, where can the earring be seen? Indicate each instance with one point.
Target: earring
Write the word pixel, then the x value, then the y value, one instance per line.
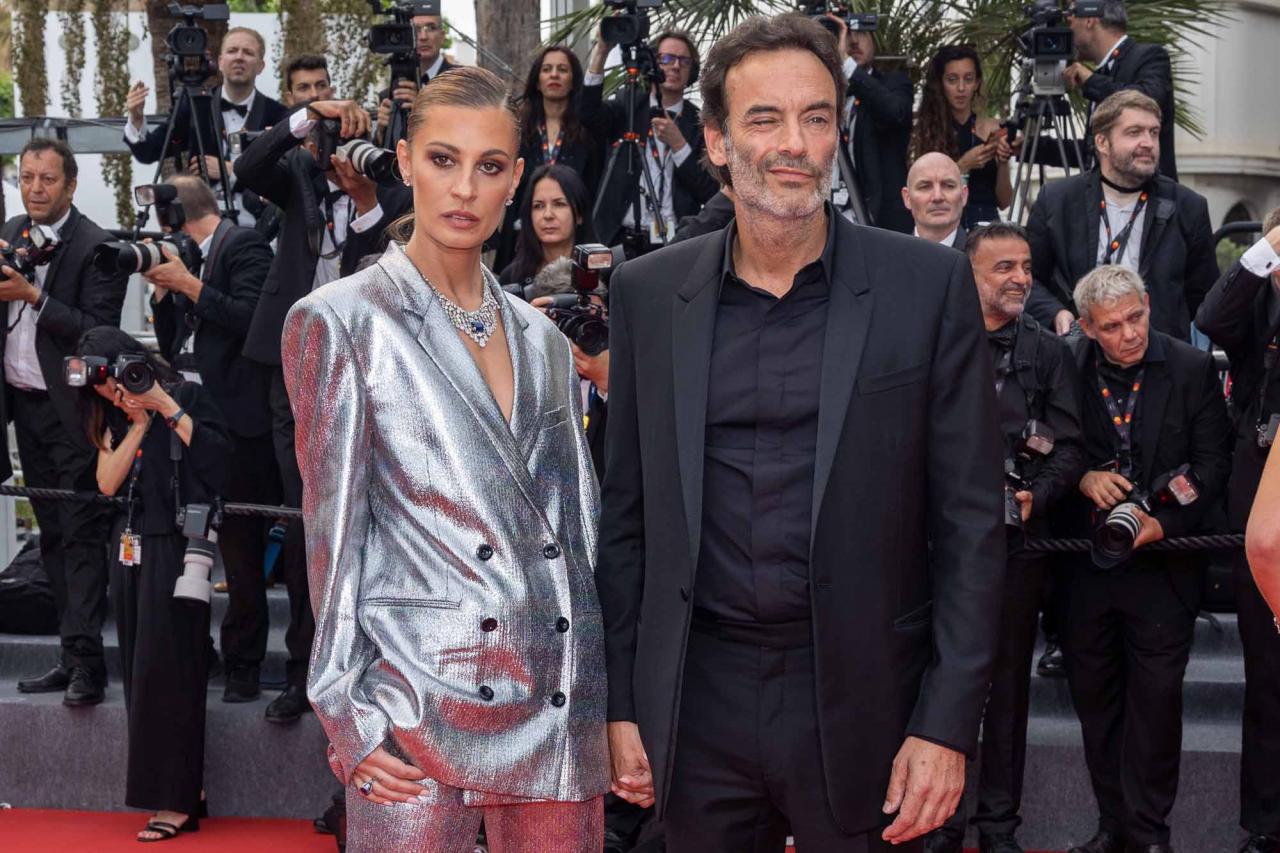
pixel 407 181
pixel 510 202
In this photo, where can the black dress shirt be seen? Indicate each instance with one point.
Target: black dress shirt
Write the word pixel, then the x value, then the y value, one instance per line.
pixel 1099 426
pixel 761 436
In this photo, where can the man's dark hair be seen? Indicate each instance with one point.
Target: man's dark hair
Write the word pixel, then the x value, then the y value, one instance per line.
pixel 304 62
pixel 1114 16
pixel 789 31
pixel 69 168
pixel 993 231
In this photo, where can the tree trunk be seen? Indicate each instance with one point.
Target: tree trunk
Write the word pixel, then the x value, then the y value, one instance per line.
pixel 509 30
pixel 303 30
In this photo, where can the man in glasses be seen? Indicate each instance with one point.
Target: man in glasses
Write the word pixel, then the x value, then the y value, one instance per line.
pixel 672 137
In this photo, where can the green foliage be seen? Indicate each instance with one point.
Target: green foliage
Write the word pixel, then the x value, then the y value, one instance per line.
pixel 28 56
pixel 254 5
pixel 111 82
pixel 71 21
pixel 6 95
pixel 1229 251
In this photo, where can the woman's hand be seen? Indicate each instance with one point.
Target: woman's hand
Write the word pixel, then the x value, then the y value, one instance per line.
pixel 977 156
pixel 154 399
pixel 394 781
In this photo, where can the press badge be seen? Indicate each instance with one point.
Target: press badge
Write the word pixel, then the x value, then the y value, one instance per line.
pixel 1267 432
pixel 130 549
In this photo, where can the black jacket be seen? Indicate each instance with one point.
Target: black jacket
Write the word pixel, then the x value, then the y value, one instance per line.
pixel 1241 314
pixel 79 298
pixel 233 275
pixel 692 186
pixel 907 444
pixel 279 170
pixel 881 135
pixel 1176 259
pixel 264 112
pixel 1146 68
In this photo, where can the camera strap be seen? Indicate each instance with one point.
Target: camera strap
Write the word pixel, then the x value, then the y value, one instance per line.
pixel 175 455
pixel 1269 358
pixel 1123 422
pixel 549 153
pixel 329 207
pixel 662 160
pixel 1116 245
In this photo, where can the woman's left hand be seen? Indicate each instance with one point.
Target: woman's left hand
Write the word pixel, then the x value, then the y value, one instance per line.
pixel 154 399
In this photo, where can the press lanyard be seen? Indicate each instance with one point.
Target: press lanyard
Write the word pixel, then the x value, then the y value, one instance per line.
pixel 1116 245
pixel 332 229
pixel 662 160
pixel 1123 423
pixel 134 473
pixel 550 154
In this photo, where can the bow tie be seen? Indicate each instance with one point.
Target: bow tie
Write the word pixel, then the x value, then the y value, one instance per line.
pixel 226 106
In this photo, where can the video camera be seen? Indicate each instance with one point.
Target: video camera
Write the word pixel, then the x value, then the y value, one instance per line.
pixel 575 315
pixel 188 42
pixel 31 249
pixel 397 37
pixel 199 523
pixel 818 10
pixel 1048 45
pixel 1113 540
pixel 632 26
pixel 1036 441
pixel 131 370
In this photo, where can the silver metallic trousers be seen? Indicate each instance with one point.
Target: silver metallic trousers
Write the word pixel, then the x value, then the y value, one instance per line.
pixel 447 822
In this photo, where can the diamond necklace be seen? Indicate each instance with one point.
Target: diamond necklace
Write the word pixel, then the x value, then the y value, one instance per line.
pixel 478 324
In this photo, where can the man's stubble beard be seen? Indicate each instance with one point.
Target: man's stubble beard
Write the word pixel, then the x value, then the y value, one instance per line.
pixel 750 188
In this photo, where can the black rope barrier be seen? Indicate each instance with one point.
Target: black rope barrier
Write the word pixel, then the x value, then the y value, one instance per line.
pixel 258 510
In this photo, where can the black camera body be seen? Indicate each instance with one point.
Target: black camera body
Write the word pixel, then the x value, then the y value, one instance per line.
pixel 1048 45
pixel 1114 538
pixel 32 248
pixel 632 26
pixel 865 22
pixel 581 320
pixel 189 39
pixel 1036 441
pixel 396 39
pixel 131 370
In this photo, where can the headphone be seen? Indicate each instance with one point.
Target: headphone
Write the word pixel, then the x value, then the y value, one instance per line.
pixel 693 51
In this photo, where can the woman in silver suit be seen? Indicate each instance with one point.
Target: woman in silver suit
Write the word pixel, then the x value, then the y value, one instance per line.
pixel 458 665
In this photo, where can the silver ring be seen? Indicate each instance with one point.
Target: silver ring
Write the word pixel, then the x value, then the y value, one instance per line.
pixel 366 788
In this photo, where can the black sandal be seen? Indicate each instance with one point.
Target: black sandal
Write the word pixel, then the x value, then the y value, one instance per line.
pixel 168 830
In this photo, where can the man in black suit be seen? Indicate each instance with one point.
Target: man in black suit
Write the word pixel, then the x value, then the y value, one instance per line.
pixel 876 126
pixel 1151 404
pixel 429 34
pixel 935 195
pixel 1123 213
pixel 671 135
pixel 1121 63
pixel 1241 314
pixel 241 105
pixel 799 561
pixel 324 205
pixel 201 320
pixel 45 318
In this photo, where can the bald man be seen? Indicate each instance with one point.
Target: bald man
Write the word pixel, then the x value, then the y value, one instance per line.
pixel 936 195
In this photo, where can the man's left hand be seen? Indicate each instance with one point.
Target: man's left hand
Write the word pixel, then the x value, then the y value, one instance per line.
pixel 594 368
pixel 1151 530
pixel 924 789
pixel 210 167
pixel 14 286
pixel 1024 500
pixel 669 132
pixel 174 275
pixel 1076 74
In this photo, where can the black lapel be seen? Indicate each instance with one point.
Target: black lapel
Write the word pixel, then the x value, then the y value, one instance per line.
pixel 848 318
pixel 65 237
pixel 254 120
pixel 1156 385
pixel 1086 244
pixel 693 325
pixel 219 234
pixel 1160 209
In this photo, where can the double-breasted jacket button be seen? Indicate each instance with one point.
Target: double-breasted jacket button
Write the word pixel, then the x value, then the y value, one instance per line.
pixel 551 551
pixel 562 624
pixel 484 552
pixel 489 624
pixel 558 699
pixel 486 692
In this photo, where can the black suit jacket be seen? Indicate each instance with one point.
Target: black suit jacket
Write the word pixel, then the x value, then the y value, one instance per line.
pixel 264 112
pixel 279 170
pixel 1242 316
pixel 692 186
pixel 1146 68
pixel 233 275
pixel 907 445
pixel 79 299
pixel 1176 259
pixel 881 135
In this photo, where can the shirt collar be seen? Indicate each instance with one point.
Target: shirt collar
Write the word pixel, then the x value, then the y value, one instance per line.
pixel 678 108
pixel 247 102
pixel 430 73
pixel 824 261
pixel 949 240
pixel 55 228
pixel 1111 54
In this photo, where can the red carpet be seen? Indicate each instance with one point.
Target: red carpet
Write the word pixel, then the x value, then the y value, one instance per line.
pixel 28 830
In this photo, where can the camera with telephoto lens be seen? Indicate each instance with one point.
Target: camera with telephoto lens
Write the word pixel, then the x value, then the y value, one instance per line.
pixel 30 249
pixel 370 160
pixel 580 320
pixel 866 22
pixel 1113 540
pixel 131 370
pixel 199 523
pixel 129 257
pixel 631 27
pixel 1036 441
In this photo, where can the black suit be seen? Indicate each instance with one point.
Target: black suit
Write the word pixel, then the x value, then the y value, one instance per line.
pixel 691 185
pixel 235 268
pixel 52 444
pixel 1146 68
pixel 1241 314
pixel 881 134
pixel 423 79
pixel 902 638
pixel 1127 632
pixel 1176 259
pixel 264 112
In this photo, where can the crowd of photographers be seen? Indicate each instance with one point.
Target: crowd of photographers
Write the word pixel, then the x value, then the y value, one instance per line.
pixel 1115 424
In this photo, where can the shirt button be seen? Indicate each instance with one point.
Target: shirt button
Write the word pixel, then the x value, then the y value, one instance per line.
pixel 558 699
pixel 551 551
pixel 489 624
pixel 484 552
pixel 486 692
pixel 562 624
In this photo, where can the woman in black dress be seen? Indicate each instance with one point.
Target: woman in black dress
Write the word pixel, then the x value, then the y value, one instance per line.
pixel 557 211
pixel 948 122
pixel 163 640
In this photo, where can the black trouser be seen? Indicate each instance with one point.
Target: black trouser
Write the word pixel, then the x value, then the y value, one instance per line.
pixel 1127 637
pixel 73 534
pixel 1004 721
pixel 1260 747
pixel 253 477
pixel 748 762
pixel 293 554
pixel 163 651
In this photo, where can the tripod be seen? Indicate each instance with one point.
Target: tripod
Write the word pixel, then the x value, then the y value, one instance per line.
pixel 1041 110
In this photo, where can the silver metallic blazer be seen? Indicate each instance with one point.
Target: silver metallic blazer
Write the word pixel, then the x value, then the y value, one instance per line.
pixel 450 555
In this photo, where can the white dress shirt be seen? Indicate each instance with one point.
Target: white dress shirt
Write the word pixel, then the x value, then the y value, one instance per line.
pixel 949 240
pixel 1118 215
pixel 21 366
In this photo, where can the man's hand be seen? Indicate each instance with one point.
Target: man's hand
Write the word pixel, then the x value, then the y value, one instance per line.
pixel 599 53
pixel 173 275
pixel 210 167
pixel 669 132
pixel 1151 530
pixel 924 789
pixel 1004 148
pixel 1105 488
pixel 842 35
pixel 1062 321
pixel 1024 500
pixel 405 91
pixel 134 101
pixel 629 765
pixel 14 286
pixel 362 190
pixel 593 368
pixel 1076 74
pixel 352 118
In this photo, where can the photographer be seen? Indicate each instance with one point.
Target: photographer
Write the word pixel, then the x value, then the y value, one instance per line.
pixel 1126 213
pixel 48 308
pixel 1037 392
pixel 1152 404
pixel 325 205
pixel 1241 314
pixel 557 216
pixel 876 127
pixel 162 447
pixel 201 322
pixel 1121 63
pixel 429 37
pixel 936 195
pixel 671 136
